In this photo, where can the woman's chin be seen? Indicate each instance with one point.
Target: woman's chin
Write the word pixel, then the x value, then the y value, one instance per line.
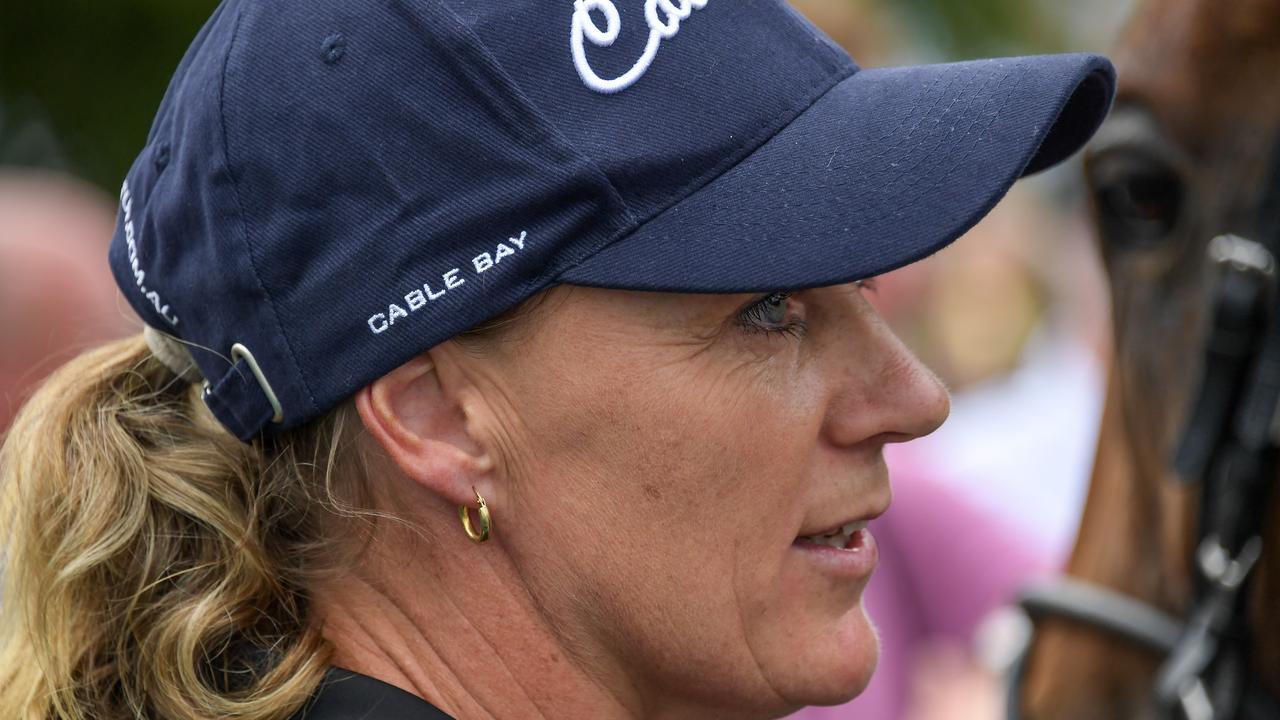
pixel 838 669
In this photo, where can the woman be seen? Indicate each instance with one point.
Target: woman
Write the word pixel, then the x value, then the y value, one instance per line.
pixel 413 432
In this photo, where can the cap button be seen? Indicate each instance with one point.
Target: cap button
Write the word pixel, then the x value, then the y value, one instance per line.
pixel 332 48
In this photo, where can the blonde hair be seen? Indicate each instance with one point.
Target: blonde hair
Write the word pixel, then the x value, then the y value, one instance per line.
pixel 156 567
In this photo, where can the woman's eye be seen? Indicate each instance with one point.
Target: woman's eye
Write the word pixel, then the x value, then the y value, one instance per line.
pixel 773 308
pixel 771 313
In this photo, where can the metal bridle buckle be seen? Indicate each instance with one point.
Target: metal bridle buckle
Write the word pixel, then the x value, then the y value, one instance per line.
pixel 1217 565
pixel 1242 254
pixel 1194 700
pixel 1183 672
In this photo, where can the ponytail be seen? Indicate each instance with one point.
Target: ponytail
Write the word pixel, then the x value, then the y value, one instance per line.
pixel 153 565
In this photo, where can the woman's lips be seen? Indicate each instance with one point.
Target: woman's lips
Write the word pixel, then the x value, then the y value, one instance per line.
pixel 838 536
pixel 855 558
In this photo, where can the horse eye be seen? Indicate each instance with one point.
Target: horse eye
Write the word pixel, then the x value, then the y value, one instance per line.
pixel 1138 197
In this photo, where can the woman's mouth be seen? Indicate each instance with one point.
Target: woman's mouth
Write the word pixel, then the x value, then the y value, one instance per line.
pixel 848 551
pixel 844 537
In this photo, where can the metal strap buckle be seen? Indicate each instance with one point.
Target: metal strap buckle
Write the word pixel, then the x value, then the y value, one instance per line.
pixel 240 352
pixel 1242 254
pixel 1218 567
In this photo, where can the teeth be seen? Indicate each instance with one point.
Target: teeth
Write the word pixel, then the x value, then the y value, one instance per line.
pixel 839 538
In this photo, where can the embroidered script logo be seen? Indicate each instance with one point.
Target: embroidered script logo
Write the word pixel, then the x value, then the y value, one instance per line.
pixel 663 17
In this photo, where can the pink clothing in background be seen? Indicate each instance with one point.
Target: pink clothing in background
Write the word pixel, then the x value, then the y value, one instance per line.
pixel 944 565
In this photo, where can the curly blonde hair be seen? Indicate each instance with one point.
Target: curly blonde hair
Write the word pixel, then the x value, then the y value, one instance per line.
pixel 155 566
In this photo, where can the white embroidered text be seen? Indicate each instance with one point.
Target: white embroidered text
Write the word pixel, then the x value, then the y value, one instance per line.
pixel 420 296
pixel 662 16
pixel 140 275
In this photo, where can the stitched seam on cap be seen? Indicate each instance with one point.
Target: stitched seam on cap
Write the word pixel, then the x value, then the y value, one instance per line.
pixel 547 126
pixel 244 225
pixel 939 177
pixel 623 227
pixel 767 130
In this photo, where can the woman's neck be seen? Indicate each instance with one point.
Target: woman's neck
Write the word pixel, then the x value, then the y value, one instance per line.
pixel 482 652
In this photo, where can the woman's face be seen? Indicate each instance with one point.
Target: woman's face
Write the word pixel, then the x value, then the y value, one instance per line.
pixel 660 457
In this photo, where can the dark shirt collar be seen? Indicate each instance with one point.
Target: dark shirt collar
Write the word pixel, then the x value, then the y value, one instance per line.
pixel 345 694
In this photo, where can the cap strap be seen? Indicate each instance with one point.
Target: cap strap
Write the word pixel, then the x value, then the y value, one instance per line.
pixel 242 399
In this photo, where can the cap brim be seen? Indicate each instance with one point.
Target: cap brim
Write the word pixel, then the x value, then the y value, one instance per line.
pixel 887 167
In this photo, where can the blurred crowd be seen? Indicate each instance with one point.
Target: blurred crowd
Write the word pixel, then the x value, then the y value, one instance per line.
pixel 1013 317
pixel 56 295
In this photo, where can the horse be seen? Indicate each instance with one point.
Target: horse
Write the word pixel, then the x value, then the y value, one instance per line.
pixel 1187 155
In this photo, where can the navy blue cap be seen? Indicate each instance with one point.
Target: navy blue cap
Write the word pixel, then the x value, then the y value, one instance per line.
pixel 332 187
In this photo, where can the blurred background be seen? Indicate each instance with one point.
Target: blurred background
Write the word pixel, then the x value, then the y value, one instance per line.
pixel 1013 316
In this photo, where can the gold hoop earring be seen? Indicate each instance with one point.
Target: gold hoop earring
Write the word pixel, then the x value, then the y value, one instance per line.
pixel 485 521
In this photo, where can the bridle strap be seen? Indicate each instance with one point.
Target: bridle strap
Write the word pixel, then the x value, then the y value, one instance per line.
pixel 1103 608
pixel 1230 451
pixel 1116 613
pixel 1093 605
pixel 1236 324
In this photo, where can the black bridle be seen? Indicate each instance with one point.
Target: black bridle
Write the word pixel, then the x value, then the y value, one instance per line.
pixel 1229 449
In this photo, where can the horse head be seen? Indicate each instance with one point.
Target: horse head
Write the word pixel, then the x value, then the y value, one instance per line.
pixel 1185 157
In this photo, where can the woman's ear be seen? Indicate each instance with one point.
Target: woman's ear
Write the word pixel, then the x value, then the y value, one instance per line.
pixel 424 430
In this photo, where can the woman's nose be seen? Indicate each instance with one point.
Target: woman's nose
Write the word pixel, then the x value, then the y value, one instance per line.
pixel 886 392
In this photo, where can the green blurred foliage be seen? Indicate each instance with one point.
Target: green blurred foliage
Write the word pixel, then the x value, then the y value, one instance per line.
pixel 965 29
pixel 80 80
